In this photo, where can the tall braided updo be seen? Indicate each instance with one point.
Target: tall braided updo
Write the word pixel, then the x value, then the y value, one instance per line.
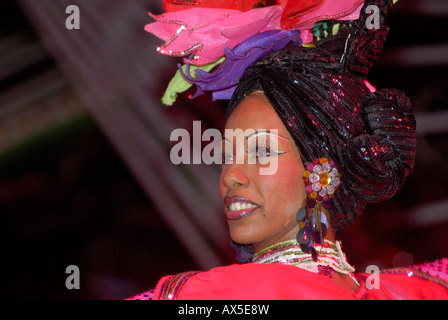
pixel 320 95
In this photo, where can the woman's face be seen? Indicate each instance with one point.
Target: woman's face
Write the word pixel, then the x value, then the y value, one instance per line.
pixel 261 209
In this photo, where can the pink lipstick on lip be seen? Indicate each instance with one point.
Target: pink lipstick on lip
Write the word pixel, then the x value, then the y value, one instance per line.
pixel 238 207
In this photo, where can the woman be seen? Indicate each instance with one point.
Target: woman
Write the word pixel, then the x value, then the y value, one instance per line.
pixel 338 144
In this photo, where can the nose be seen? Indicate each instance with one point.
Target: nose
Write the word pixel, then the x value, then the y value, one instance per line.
pixel 234 176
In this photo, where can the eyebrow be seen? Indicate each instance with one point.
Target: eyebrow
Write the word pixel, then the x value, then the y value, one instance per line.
pixel 266 132
pixel 255 133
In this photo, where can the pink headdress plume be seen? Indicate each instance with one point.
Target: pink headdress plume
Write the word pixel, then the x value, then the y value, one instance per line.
pixel 207 32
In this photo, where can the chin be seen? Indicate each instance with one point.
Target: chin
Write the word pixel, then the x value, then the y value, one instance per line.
pixel 242 235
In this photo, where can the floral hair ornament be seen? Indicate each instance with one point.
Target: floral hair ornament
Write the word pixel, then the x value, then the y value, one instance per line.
pixel 223 81
pixel 321 179
pixel 204 32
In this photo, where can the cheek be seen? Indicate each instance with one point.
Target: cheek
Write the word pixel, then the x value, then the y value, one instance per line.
pixel 291 208
pixel 286 186
pixel 290 174
pixel 221 187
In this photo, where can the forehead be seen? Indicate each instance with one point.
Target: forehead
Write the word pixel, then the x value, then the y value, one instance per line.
pixel 255 112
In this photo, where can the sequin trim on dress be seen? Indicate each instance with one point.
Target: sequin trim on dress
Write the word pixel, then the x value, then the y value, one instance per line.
pixel 436 271
pixel 174 284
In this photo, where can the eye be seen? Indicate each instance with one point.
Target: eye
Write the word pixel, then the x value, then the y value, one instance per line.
pixel 261 152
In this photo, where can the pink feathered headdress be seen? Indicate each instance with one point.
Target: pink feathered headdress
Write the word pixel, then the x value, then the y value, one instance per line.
pixel 207 27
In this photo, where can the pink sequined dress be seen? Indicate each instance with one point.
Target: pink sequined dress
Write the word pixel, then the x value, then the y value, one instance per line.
pixel 283 274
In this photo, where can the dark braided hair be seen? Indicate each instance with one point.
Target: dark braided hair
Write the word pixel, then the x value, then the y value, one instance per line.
pixel 320 95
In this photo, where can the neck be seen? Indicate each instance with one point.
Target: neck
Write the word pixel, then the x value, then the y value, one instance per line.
pixel 330 257
pixel 260 246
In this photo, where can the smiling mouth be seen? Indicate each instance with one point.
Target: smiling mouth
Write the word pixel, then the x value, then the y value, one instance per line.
pixel 238 207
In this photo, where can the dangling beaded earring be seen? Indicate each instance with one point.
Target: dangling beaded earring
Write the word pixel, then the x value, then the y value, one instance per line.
pixel 321 180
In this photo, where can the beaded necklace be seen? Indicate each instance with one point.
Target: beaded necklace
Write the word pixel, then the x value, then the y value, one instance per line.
pixel 330 258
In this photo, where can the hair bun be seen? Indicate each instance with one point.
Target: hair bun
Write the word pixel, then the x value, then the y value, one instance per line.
pixel 379 161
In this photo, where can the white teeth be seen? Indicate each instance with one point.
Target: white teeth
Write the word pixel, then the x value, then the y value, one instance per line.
pixel 241 206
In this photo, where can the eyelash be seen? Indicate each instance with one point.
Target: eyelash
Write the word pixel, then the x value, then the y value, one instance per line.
pixel 253 152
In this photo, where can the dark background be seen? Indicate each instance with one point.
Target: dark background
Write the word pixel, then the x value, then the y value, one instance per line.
pixel 67 197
